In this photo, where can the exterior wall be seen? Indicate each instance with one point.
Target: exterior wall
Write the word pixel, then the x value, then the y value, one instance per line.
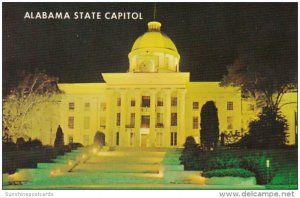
pixel 86 120
pixel 202 92
pixel 103 112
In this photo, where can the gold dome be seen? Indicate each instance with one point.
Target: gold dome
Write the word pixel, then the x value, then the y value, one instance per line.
pixel 154 38
pixel 154 52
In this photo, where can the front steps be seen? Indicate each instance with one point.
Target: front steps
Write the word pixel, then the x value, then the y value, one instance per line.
pixel 121 167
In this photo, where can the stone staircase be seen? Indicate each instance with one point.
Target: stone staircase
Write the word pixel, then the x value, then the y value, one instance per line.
pixel 122 166
pixel 112 168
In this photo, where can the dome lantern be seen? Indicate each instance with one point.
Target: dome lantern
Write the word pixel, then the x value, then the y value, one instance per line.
pixel 154 26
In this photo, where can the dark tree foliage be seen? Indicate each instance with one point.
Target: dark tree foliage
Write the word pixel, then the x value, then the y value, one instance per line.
pixel 209 132
pixel 33 144
pixel 59 139
pixel 269 131
pixel 99 139
pixel 265 67
pixel 20 143
pixel 189 153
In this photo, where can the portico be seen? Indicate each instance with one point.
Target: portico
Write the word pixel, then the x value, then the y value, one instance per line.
pixel 143 110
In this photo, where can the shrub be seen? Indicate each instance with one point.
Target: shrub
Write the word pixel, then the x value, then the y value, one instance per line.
pixel 221 162
pixel 257 165
pixel 33 144
pixel 20 143
pixel 9 146
pixel 189 154
pixel 75 145
pixel 59 139
pixel 230 172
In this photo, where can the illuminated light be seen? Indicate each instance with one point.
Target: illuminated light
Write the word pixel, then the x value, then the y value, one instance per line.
pixel 16 177
pixel 94 150
pixel 195 178
pixel 70 163
pixel 84 156
pixel 160 172
pixel 52 173
pixel 55 172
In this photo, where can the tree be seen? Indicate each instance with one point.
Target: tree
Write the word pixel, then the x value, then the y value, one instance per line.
pixel 268 131
pixel 59 138
pixel 20 143
pixel 209 132
pixel 266 67
pixel 31 106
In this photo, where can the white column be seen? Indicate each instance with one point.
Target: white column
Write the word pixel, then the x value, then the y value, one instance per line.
pixel 137 123
pixel 167 117
pixel 109 123
pixel 181 117
pixel 152 117
pixel 123 136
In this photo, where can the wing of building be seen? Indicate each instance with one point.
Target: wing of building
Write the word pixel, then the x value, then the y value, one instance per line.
pixel 154 104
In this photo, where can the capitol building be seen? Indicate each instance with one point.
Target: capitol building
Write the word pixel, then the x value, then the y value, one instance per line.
pixel 153 104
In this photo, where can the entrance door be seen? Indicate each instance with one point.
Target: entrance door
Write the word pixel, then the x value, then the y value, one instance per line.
pixel 144 140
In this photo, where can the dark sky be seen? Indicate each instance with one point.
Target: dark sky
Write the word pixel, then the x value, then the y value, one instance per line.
pixel 208 37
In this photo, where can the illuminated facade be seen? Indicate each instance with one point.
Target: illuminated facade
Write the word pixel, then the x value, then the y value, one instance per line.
pixel 153 104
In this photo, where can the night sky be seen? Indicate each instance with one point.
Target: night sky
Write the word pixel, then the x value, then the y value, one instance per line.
pixel 208 37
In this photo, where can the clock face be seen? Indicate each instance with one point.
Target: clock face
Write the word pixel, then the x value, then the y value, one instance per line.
pixel 146 65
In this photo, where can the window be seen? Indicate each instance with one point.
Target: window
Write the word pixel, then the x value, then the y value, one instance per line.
pixel 71 122
pixel 159 120
pixel 103 106
pixel 132 119
pixel 132 103
pixel 174 101
pixel 195 105
pixel 173 119
pixel 195 123
pixel 102 121
pixel 173 138
pixel 86 122
pixel 117 138
pixel 87 106
pixel 159 117
pixel 118 119
pixel 167 61
pixel 229 122
pixel 71 106
pixel 118 102
pixel 160 102
pixel 145 101
pixel 145 121
pixel 229 105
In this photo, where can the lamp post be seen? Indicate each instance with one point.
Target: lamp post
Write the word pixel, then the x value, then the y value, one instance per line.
pixel 268 169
